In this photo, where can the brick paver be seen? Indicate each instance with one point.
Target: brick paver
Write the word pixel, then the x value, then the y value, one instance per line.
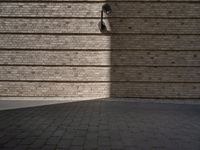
pixel 102 125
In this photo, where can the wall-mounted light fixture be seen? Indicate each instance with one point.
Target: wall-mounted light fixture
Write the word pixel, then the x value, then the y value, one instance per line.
pixel 106 8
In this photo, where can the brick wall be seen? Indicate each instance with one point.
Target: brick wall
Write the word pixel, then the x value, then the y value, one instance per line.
pixel 55 48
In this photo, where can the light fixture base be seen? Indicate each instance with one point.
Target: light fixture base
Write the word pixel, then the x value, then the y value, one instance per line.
pixel 102 26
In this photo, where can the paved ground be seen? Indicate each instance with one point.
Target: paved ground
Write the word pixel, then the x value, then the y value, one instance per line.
pixel 101 125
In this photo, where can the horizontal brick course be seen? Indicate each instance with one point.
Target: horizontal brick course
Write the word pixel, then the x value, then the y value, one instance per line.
pixel 151 74
pixel 157 42
pixel 101 58
pixel 89 26
pixel 125 9
pixel 151 90
pixel 104 0
pixel 52 48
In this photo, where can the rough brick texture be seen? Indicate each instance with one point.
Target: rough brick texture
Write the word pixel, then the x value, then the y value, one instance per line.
pixel 142 42
pixel 115 25
pixel 151 49
pixel 121 9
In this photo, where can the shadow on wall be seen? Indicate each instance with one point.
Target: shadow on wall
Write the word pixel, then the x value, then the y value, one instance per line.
pixel 147 52
pixel 113 27
pixel 154 48
pixel 118 75
pixel 123 43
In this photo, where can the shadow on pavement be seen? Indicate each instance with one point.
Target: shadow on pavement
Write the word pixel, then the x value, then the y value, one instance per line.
pixel 101 125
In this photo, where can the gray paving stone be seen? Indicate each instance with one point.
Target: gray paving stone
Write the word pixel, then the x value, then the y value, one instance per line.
pixel 53 140
pixel 28 141
pixel 58 133
pixel 4 139
pixel 21 147
pixel 76 148
pixel 102 125
pixel 104 141
pixel 78 141
pixel 12 143
pixel 91 144
pixel 39 143
pixel 48 147
pixel 64 143
pixel 104 148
